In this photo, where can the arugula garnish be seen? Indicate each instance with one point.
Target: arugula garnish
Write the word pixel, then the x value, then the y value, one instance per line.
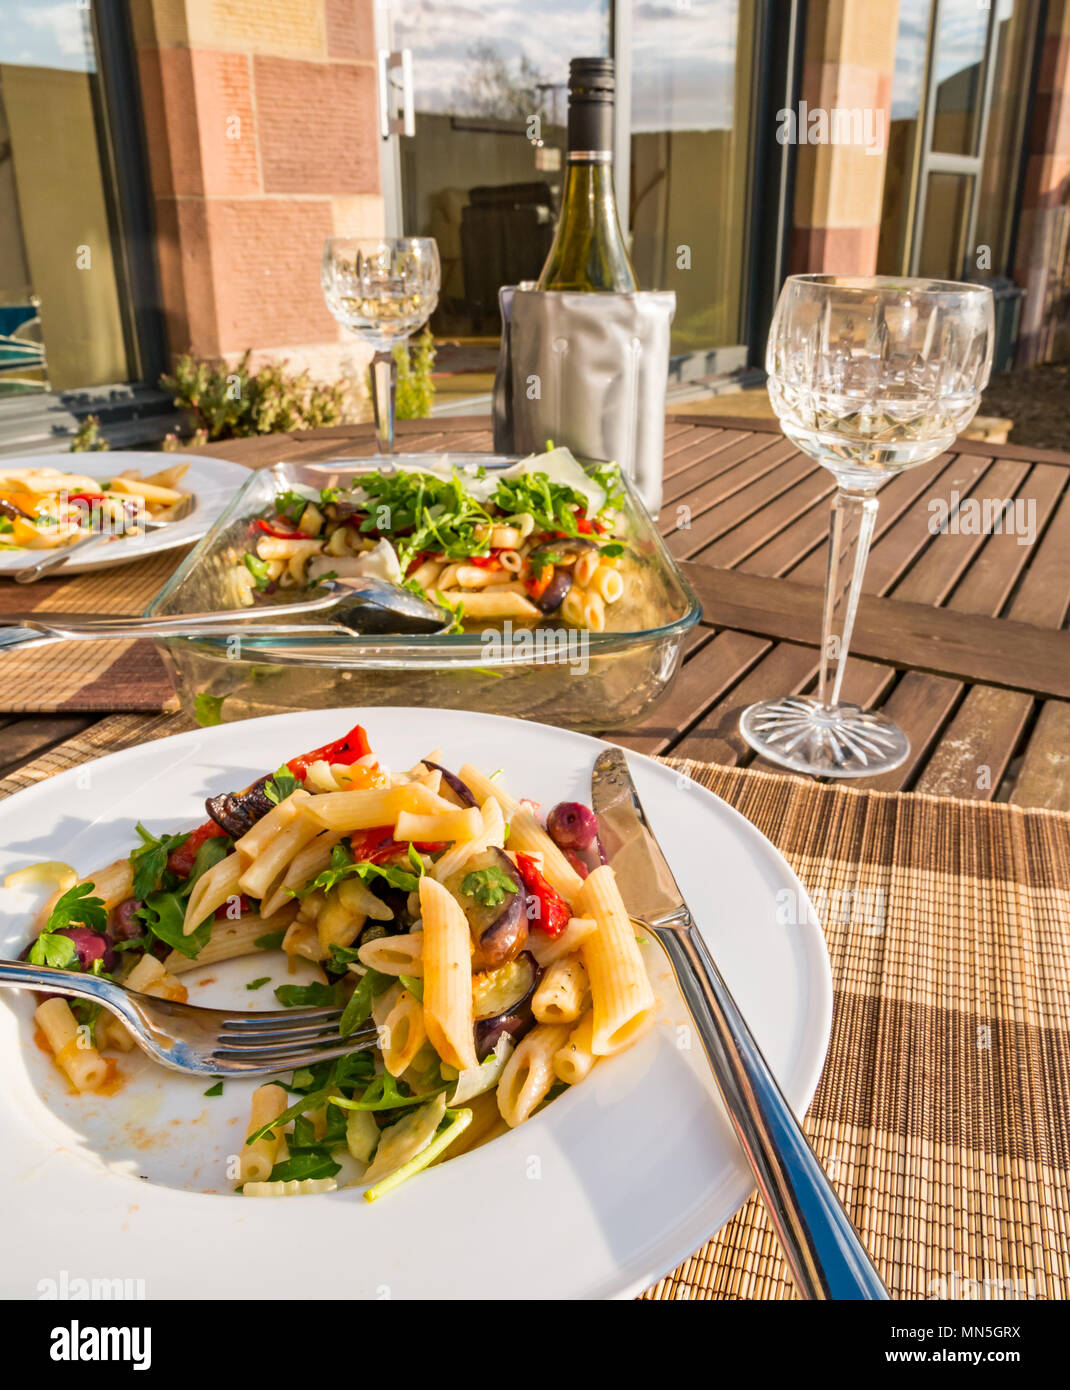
pixel 313 996
pixel 259 982
pixel 216 1090
pixel 163 913
pixel 314 1163
pixel 270 941
pixel 425 512
pixel 359 1008
pixel 340 956
pixel 149 860
pixel 280 785
pixel 291 505
pixel 613 549
pixel 343 865
pixel 384 1093
pixel 488 886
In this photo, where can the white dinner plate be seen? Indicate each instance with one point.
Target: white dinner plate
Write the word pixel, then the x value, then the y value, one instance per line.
pixel 598 1195
pixel 212 481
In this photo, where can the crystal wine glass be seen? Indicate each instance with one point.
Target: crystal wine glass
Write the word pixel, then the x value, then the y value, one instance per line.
pixel 869 375
pixel 382 288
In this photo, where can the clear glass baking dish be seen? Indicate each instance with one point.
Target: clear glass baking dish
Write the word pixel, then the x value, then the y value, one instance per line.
pixel 586 681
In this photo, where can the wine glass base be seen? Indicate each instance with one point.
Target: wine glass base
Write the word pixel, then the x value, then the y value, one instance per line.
pixel 797 732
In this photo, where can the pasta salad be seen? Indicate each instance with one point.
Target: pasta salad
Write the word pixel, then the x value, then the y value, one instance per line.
pixel 489 948
pixel 527 543
pixel 45 508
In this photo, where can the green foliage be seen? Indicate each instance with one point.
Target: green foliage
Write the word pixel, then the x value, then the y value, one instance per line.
pixel 87 437
pixel 233 402
pixel 415 392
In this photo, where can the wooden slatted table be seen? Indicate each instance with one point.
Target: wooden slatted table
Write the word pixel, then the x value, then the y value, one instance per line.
pixel 961 638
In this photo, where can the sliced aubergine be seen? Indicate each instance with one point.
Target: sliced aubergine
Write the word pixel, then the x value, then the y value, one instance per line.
pixel 502 1001
pixel 553 596
pixel 238 812
pixel 460 790
pixel 500 927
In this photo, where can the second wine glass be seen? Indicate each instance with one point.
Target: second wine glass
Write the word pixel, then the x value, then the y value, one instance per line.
pixel 383 289
pixel 869 375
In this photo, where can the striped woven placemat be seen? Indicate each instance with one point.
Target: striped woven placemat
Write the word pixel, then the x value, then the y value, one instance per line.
pixel 66 677
pixel 941 1114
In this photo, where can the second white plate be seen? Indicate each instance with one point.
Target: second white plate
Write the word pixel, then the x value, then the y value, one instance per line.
pixel 213 481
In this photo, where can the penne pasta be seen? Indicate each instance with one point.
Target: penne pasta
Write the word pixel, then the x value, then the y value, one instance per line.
pixel 574 1060
pixel 366 809
pixel 528 836
pixel 452 825
pixel 401 1032
pixel 547 949
pixel 447 957
pixel 621 997
pixel 85 1068
pixel 482 787
pixel 212 890
pixel 607 583
pixel 529 1072
pixel 394 955
pixel 499 602
pixel 258 1158
pixel 562 992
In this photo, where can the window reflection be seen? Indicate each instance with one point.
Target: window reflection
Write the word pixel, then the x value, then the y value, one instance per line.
pixel 691 125
pixel 61 324
pixel 961 35
pixel 475 176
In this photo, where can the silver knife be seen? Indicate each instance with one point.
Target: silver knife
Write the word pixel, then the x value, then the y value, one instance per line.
pixel 827 1259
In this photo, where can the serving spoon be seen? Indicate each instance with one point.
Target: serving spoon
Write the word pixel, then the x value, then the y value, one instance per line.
pixel 353 604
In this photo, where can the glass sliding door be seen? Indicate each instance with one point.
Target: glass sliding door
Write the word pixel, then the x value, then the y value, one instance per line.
pixel 483 167
pixel 959 100
pixel 62 300
pixel 466 163
pixel 691 166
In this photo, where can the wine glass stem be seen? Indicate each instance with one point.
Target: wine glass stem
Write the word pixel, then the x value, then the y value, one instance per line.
pixel 384 376
pixel 853 517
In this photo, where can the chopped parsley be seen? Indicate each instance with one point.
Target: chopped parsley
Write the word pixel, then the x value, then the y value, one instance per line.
pixel 149 860
pixel 280 785
pixel 343 866
pixel 488 886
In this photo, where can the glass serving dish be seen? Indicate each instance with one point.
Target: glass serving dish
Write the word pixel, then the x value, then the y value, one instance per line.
pixel 581 680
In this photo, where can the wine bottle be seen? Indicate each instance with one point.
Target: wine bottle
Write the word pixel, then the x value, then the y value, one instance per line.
pixel 588 251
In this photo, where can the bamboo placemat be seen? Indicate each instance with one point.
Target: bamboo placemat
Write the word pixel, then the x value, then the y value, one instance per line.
pixel 67 677
pixel 941 1115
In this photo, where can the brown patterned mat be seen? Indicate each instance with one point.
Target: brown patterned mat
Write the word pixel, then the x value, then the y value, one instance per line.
pixel 64 677
pixel 943 1113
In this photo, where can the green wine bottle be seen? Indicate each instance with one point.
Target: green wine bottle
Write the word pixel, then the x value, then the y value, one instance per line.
pixel 588 252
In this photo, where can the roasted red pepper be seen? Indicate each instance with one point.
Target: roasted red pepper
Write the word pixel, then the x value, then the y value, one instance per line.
pixel 552 912
pixel 273 528
pixel 180 861
pixel 537 584
pixel 87 496
pixel 345 750
pixel 486 562
pixel 378 845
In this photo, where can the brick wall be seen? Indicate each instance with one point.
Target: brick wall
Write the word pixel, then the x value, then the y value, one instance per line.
pixel 262 141
pixel 848 62
pixel 1043 248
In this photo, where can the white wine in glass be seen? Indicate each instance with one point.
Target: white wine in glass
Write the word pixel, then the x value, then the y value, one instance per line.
pixel 869 375
pixel 383 289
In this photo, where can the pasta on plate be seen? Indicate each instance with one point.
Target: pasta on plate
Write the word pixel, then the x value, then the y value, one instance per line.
pixel 45 509
pixel 490 950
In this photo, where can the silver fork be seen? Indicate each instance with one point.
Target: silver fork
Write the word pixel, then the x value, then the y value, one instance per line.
pixel 204 1042
pixel 56 559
